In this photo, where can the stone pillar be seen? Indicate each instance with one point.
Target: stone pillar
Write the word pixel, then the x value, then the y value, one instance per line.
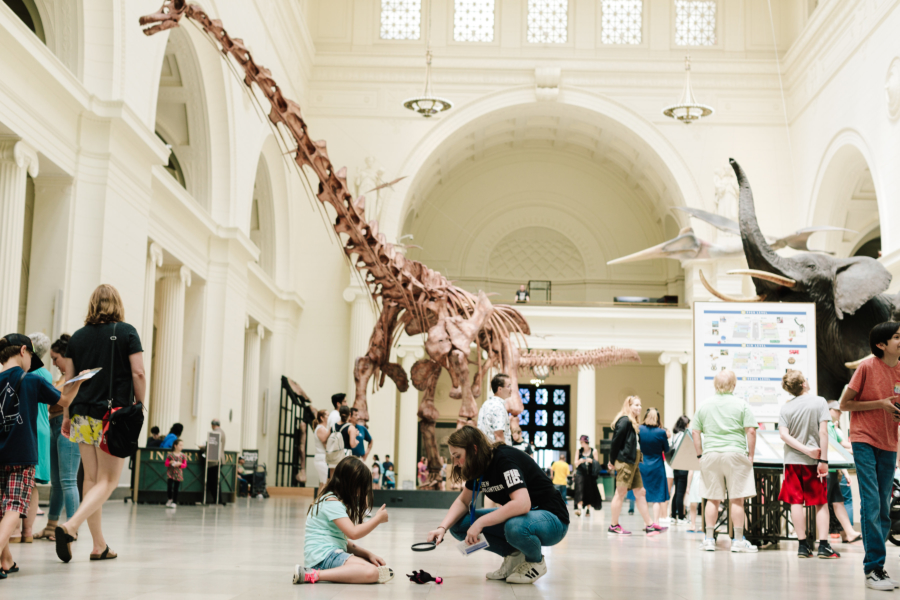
pixel 690 402
pixel 17 161
pixel 250 412
pixel 169 347
pixel 586 412
pixel 154 260
pixel 362 321
pixel 408 429
pixel 674 386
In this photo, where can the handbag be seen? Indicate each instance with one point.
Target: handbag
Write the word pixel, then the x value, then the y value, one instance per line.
pixel 121 425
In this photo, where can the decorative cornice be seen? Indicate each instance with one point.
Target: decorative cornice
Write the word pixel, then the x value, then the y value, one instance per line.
pixel 155 254
pixel 667 357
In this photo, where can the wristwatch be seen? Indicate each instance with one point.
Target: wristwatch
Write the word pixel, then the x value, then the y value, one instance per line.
pixel 822 461
pixel 699 456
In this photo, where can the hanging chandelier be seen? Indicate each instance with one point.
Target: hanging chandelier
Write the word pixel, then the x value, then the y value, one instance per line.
pixel 688 110
pixel 428 104
pixel 540 372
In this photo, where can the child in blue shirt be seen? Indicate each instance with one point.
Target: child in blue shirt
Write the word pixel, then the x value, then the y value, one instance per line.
pixel 334 521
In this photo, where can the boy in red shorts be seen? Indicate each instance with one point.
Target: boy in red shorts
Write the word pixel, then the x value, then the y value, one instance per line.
pixel 20 394
pixel 803 425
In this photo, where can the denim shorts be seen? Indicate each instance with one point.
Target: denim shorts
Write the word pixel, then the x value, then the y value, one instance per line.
pixel 333 561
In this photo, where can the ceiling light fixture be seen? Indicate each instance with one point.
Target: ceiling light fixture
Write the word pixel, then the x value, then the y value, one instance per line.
pixel 428 104
pixel 688 110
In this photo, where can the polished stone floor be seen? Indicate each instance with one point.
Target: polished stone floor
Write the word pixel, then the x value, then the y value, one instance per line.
pixel 248 550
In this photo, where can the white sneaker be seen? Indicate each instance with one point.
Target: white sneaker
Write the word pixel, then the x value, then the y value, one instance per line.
pixel 509 565
pixel 888 577
pixel 708 545
pixel 743 546
pixel 528 572
pixel 875 580
pixel 168 504
pixel 664 521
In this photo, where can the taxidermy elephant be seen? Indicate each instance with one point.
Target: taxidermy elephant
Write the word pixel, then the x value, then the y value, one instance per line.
pixel 848 293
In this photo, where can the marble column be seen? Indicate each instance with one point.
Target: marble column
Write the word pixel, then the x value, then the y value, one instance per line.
pixel 250 413
pixel 154 260
pixel 408 428
pixel 17 161
pixel 168 369
pixel 674 386
pixel 586 411
pixel 362 321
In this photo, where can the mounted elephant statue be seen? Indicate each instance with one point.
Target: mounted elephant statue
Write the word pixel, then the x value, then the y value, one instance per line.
pixel 848 293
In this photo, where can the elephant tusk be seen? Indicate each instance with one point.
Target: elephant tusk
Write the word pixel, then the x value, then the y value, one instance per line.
pixel 855 364
pixel 722 296
pixel 785 281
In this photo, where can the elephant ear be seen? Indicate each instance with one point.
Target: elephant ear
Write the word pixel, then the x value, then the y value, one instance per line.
pixel 856 281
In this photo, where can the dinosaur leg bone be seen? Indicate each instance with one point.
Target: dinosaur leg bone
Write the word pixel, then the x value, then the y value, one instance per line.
pixel 425 375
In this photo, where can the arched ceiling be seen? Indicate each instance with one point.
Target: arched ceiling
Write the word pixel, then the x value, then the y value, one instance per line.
pixel 573 130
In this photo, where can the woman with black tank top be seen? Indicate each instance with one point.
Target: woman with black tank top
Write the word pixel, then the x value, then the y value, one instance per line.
pixel 587 466
pixel 347 430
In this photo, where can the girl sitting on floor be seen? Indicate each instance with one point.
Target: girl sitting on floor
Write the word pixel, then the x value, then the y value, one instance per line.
pixel 335 519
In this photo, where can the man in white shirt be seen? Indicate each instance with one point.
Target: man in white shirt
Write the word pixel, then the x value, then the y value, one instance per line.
pixel 493 418
pixel 337 400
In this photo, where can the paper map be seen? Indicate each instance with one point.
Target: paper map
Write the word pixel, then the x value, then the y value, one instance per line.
pixel 759 341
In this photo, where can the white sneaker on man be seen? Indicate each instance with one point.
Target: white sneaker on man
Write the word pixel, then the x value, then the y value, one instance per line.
pixel 884 574
pixel 878 580
pixel 708 545
pixel 509 565
pixel 743 546
pixel 528 572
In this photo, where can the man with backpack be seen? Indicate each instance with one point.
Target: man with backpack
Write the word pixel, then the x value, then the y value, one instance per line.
pixel 342 438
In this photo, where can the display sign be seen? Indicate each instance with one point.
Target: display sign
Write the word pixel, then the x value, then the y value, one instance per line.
pixel 759 341
pixel 770 451
pixel 214 450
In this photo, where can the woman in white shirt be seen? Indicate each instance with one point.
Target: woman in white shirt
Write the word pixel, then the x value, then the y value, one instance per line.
pixel 321 438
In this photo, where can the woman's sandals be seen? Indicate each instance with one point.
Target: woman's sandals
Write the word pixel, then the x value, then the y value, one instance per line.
pixel 105 555
pixel 63 544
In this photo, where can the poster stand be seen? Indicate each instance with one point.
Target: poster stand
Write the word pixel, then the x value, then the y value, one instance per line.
pixel 214 454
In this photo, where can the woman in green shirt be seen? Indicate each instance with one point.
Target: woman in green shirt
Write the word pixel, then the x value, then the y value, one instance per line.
pixel 835 492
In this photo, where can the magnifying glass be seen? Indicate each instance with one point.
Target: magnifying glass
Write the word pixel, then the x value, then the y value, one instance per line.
pixel 423 547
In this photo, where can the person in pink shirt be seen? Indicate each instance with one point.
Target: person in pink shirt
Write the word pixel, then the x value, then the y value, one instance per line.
pixel 176 462
pixel 872 397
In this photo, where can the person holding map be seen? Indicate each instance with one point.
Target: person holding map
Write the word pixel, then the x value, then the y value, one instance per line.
pixel 803 425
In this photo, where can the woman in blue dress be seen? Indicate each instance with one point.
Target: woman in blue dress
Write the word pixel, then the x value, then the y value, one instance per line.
pixel 654 444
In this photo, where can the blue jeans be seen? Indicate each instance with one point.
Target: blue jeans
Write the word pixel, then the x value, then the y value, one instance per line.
pixel 527 533
pixel 562 492
pixel 64 461
pixel 875 473
pixel 848 497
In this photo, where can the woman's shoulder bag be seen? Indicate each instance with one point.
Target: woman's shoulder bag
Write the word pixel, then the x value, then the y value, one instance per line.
pixel 121 425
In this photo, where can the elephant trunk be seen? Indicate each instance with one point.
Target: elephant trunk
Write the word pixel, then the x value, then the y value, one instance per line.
pixel 757 250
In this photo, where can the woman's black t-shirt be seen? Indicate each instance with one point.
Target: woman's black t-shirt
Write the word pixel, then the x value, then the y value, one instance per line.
pixel 89 348
pixel 512 470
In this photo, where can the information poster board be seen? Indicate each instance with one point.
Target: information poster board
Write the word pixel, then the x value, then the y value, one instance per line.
pixel 759 341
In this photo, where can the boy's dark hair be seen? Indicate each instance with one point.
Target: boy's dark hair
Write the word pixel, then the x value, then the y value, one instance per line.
pixel 344 412
pixel 337 400
pixel 354 410
pixel 177 428
pixel 351 483
pixel 154 430
pixel 7 350
pixel 880 334
pixel 498 381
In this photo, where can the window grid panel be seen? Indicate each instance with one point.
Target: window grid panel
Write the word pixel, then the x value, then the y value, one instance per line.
pixel 525 395
pixel 559 440
pixel 559 397
pixel 524 418
pixel 546 425
pixel 548 21
pixel 695 22
pixel 622 21
pixel 401 19
pixel 540 418
pixel 473 21
pixel 540 439
pixel 541 396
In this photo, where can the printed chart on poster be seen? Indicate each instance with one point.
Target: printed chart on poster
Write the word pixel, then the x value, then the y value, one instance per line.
pixel 759 341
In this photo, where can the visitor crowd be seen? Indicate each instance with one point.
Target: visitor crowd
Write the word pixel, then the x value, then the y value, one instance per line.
pixel 53 430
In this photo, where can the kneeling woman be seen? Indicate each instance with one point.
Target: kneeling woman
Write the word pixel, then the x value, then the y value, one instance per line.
pixel 531 512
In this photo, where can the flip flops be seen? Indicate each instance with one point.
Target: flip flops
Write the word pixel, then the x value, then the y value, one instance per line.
pixel 63 544
pixel 105 555
pixel 856 539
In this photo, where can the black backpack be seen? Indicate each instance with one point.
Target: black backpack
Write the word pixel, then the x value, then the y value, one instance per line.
pixel 121 426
